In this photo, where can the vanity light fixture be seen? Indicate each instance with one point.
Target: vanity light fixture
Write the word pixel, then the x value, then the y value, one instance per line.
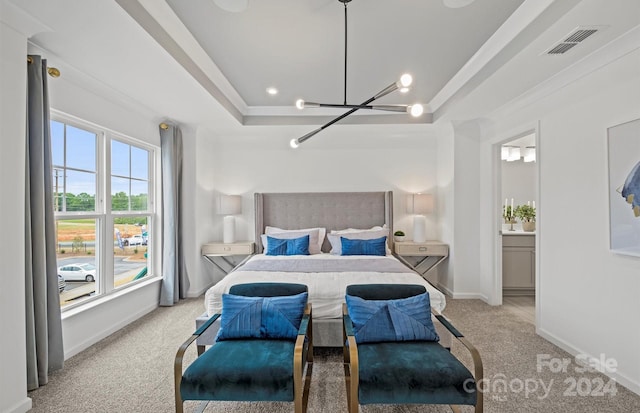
pixel 402 84
pixel 514 153
pixel 504 153
pixel 529 154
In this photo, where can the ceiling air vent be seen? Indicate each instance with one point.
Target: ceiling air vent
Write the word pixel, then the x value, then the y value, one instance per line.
pixel 571 40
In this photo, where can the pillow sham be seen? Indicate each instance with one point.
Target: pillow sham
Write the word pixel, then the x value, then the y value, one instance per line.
pixel 406 319
pixel 336 243
pixel 261 317
pixel 348 230
pixel 316 236
pixel 290 246
pixel 375 246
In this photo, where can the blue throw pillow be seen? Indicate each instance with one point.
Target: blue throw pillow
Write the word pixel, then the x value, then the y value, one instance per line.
pixel 406 319
pixel 261 317
pixel 292 246
pixel 376 246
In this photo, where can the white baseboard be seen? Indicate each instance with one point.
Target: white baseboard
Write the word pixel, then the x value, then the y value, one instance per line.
pixel 445 290
pixel 20 407
pixel 619 377
pixel 471 296
pixel 463 296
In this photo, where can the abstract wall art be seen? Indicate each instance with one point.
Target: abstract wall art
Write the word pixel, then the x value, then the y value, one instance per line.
pixel 624 187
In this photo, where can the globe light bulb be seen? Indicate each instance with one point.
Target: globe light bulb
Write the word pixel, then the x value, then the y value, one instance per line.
pixel 416 110
pixel 300 104
pixel 406 80
pixel 294 143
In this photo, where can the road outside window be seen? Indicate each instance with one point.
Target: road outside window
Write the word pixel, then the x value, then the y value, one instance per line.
pixel 76 256
pixel 131 249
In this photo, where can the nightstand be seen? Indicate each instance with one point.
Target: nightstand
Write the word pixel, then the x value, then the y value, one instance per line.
pixel 426 255
pixel 219 254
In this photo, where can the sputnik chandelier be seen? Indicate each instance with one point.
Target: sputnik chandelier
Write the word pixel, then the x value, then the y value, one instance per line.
pixel 402 84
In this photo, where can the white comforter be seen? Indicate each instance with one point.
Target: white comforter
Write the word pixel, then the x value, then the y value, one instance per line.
pixel 326 289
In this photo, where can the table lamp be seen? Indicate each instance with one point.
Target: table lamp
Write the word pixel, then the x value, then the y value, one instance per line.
pixel 229 205
pixel 419 205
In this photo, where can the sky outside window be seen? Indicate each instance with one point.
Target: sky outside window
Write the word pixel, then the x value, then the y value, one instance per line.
pixel 129 177
pixel 73 152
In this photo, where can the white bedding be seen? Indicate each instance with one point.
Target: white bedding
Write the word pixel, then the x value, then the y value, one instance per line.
pixel 326 289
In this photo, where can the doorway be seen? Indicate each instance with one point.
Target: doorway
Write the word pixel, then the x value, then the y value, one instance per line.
pixel 517 185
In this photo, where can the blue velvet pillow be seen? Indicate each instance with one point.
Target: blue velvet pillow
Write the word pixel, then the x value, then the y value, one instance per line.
pixel 261 317
pixel 376 246
pixel 292 246
pixel 406 319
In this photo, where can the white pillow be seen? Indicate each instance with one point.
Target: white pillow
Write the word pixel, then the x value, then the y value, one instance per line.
pixel 316 236
pixel 336 243
pixel 351 230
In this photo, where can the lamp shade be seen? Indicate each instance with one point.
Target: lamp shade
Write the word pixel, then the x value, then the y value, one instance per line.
pixel 420 204
pixel 229 204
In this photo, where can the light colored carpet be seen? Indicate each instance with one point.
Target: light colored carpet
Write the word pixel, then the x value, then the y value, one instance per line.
pixel 132 371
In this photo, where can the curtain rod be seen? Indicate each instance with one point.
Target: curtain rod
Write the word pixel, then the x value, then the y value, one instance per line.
pixel 53 71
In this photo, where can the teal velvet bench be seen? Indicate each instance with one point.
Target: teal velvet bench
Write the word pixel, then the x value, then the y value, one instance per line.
pixel 392 354
pixel 261 350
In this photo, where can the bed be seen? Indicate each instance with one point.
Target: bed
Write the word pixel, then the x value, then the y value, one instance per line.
pixel 325 274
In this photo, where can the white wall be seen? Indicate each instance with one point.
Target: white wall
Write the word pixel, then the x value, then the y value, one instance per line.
pixel 465 249
pixel 445 201
pixel 587 296
pixel 341 158
pixel 13 380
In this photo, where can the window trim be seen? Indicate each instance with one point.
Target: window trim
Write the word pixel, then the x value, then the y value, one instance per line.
pixel 104 216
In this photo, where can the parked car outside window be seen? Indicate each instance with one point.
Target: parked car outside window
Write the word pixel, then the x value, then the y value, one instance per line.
pixel 61 283
pixel 135 240
pixel 78 272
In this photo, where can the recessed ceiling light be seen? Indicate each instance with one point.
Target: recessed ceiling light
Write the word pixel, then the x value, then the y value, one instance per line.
pixel 272 91
pixel 456 4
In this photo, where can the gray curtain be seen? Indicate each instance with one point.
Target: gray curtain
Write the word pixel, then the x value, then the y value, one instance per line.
pixel 44 326
pixel 175 281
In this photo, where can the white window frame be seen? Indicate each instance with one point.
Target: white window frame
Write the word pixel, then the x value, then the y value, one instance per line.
pixel 105 216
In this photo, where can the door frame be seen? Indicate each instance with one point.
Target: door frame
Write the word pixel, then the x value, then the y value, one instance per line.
pixel 497 206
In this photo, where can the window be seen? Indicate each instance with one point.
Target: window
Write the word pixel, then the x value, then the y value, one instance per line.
pixel 129 206
pixel 104 209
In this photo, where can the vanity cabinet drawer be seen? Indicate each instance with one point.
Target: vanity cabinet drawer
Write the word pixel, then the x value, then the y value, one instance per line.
pixel 518 240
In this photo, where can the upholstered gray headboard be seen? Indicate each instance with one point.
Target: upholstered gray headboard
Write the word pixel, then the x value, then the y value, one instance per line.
pixel 330 210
